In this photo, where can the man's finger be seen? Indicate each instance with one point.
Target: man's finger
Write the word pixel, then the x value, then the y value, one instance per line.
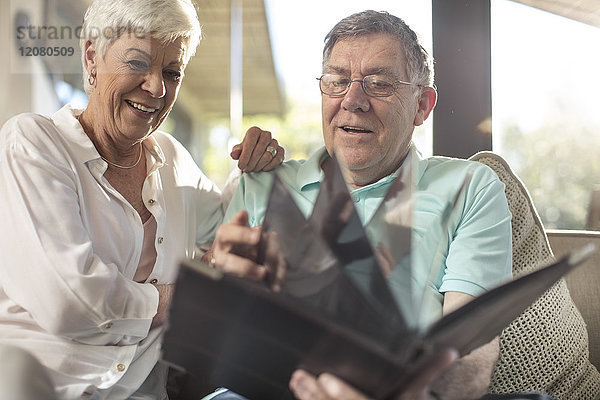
pixel 305 386
pixel 240 218
pixel 241 266
pixel 235 235
pixel 338 389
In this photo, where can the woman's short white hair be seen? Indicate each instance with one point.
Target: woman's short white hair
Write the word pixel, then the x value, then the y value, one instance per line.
pixel 166 20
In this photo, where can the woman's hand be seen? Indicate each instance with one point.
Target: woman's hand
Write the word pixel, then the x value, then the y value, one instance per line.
pixel 258 151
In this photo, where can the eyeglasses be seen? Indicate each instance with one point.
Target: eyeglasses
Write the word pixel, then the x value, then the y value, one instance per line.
pixel 373 85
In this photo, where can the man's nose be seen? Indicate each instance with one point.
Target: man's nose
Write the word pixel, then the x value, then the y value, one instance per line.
pixel 356 99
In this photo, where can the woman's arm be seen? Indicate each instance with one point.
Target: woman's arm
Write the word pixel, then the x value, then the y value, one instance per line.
pixel 50 264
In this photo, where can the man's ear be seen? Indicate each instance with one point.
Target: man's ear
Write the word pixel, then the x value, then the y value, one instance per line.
pixel 427 100
pixel 89 56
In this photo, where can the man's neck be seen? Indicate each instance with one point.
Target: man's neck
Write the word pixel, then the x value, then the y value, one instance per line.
pixel 358 179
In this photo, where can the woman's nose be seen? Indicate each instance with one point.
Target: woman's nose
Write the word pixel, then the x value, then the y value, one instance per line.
pixel 154 83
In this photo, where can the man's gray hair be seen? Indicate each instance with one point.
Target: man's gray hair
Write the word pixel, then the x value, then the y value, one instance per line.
pixel 166 20
pixel 419 64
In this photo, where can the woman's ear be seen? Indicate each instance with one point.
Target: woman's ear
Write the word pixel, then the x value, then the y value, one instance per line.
pixel 89 56
pixel 427 99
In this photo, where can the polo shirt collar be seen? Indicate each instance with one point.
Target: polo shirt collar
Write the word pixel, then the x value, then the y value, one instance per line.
pixel 310 173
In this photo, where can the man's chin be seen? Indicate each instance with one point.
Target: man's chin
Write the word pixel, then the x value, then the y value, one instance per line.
pixel 354 161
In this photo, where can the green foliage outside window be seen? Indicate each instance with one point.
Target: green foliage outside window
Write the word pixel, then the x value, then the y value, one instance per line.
pixel 559 165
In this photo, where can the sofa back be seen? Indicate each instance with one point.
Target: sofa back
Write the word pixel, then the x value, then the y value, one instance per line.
pixel 546 348
pixel 583 282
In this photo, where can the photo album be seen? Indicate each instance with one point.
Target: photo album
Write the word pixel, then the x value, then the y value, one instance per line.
pixel 327 305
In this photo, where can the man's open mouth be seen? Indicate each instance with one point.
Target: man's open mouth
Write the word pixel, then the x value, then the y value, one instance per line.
pixel 354 129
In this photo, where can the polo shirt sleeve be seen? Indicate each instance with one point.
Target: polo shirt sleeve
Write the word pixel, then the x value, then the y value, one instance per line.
pixel 480 252
pixel 49 266
pixel 251 194
pixel 236 203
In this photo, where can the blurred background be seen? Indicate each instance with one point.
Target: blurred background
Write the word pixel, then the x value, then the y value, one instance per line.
pixel 535 63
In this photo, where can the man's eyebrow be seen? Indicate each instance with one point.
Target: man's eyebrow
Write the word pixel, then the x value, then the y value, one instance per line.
pixel 381 71
pixel 388 71
pixel 336 70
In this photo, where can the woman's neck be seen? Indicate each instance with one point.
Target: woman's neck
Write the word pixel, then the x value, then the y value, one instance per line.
pixel 124 153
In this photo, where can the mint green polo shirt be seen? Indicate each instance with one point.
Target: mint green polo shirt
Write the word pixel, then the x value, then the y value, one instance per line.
pixel 470 254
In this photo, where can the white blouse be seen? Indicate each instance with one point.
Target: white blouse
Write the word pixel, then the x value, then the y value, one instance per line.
pixel 70 245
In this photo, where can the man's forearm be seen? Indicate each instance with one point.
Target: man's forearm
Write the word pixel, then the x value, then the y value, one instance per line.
pixel 469 377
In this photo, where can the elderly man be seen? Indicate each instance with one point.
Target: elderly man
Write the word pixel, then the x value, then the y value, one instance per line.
pixel 377 86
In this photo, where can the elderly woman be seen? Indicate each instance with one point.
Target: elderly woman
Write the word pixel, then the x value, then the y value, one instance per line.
pixel 98 206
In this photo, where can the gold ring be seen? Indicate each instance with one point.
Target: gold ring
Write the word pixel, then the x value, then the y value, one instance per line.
pixel 272 150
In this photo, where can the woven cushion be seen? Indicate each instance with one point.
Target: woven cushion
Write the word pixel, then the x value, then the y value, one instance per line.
pixel 546 348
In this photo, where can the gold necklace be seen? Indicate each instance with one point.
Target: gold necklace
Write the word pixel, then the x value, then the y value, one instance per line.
pixel 125 166
pixel 78 117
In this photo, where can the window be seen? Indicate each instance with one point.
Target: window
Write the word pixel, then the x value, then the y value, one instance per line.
pixel 545 113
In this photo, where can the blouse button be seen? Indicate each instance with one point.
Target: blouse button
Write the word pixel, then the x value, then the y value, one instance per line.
pixel 160 240
pixel 108 325
pixel 120 367
pixel 151 201
pixel 154 281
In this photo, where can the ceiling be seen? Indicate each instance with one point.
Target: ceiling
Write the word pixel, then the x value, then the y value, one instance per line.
pixel 206 88
pixel 586 11
pixel 206 85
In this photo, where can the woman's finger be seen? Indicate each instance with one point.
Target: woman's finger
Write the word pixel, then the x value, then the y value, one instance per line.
pixel 236 151
pixel 277 158
pixel 259 151
pixel 268 155
pixel 247 145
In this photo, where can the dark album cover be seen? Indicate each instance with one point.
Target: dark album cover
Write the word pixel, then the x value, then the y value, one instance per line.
pixel 332 309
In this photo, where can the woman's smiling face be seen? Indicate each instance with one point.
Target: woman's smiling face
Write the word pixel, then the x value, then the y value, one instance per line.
pixel 137 82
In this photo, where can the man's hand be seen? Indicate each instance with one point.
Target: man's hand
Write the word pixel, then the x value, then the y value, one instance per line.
pixel 258 151
pixel 236 247
pixel 328 387
pixel 324 387
pixel 235 251
pixel 469 377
